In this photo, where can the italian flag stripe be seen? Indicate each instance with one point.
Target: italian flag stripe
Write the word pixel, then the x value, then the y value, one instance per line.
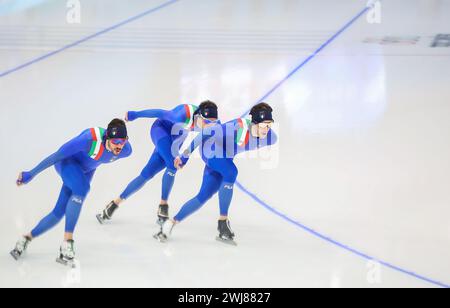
pixel 94 143
pixel 100 152
pixel 243 135
pixel 97 144
pixel 189 116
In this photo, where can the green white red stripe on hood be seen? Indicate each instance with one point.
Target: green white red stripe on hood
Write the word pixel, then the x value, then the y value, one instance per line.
pixel 190 110
pixel 97 147
pixel 243 133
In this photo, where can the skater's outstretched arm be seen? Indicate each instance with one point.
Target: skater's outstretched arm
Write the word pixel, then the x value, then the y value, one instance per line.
pixel 74 146
pixel 177 115
pixel 148 114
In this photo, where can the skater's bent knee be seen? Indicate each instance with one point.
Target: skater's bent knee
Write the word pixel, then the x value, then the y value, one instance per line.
pixel 82 190
pixel 203 197
pixel 147 175
pixel 57 215
pixel 230 176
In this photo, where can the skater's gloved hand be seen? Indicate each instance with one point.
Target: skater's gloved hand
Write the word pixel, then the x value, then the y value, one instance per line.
pixel 130 116
pixel 178 163
pixel 24 178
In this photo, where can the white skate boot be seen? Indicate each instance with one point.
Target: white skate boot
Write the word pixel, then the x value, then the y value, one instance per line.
pixel 67 254
pixel 21 247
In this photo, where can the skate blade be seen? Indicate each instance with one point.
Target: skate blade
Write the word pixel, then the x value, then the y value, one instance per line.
pixel 228 242
pixel 66 263
pixel 160 237
pixel 15 255
pixel 100 219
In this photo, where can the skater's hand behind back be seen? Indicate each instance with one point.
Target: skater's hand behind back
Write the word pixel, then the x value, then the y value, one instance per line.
pixel 19 180
pixel 23 178
pixel 178 163
pixel 131 116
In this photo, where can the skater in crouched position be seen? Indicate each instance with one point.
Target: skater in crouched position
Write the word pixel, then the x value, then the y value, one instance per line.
pixel 220 172
pixel 75 162
pixel 170 126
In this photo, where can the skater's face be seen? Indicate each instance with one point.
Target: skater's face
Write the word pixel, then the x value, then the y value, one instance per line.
pixel 264 129
pixel 116 146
